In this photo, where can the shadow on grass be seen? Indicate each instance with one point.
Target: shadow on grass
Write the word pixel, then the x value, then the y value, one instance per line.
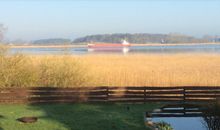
pixel 103 116
pixel 94 116
pixel 0 122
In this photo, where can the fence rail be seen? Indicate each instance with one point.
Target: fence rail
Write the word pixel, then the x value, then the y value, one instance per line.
pixel 109 94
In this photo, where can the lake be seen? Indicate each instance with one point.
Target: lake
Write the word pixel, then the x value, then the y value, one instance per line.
pixel 166 49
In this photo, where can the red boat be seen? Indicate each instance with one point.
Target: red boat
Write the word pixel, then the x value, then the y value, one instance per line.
pixel 109 45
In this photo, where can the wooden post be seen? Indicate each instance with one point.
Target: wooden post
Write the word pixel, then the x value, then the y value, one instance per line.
pixel 216 97
pixel 184 95
pixel 107 94
pixel 145 94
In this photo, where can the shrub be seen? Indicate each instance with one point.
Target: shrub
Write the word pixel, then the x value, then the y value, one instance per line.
pixel 15 70
pixel 163 126
pixel 62 71
pixel 19 70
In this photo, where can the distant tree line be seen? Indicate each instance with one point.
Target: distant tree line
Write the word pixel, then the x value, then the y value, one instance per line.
pixel 141 38
pixel 54 41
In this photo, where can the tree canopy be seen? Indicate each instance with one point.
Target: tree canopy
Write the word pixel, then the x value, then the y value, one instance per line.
pixel 141 38
pixel 2 31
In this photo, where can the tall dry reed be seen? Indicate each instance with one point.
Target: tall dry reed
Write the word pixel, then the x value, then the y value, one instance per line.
pixel 60 71
pixel 154 70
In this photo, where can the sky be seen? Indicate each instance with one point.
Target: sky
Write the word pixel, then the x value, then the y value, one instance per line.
pixel 39 19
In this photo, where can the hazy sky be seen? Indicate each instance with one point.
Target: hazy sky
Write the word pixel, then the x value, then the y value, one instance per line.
pixel 34 19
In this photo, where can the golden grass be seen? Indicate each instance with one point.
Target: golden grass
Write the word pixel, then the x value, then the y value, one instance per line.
pixel 154 70
pixel 59 71
pixel 29 71
pixel 109 70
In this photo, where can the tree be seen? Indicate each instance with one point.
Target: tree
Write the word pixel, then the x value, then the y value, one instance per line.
pixel 2 31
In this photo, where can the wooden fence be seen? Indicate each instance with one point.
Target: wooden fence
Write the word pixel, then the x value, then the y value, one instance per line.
pixel 109 94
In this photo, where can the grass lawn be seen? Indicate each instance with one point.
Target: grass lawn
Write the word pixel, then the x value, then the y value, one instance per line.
pixel 97 116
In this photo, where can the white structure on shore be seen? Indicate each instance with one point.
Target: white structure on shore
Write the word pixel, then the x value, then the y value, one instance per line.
pixel 124 42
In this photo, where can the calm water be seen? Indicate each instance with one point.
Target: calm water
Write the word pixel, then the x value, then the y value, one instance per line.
pixel 212 48
pixel 184 123
pixel 187 116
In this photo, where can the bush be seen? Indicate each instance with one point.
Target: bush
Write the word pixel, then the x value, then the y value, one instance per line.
pixel 15 70
pixel 62 71
pixel 55 71
pixel 163 126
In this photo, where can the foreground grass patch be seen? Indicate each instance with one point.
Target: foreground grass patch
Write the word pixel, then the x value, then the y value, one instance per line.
pixel 103 116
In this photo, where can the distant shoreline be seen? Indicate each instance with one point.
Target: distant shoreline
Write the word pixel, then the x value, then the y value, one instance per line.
pixel 76 46
pixel 45 46
pixel 174 44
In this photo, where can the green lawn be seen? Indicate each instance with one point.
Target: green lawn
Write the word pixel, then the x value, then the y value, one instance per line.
pixel 104 116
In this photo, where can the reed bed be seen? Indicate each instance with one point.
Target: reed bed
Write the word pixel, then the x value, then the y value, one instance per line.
pixel 154 70
pixel 109 70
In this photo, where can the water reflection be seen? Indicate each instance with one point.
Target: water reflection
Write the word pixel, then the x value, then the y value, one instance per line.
pixel 186 116
pixel 123 50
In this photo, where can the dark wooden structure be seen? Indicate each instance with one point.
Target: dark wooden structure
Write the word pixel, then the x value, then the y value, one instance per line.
pixel 177 110
pixel 108 94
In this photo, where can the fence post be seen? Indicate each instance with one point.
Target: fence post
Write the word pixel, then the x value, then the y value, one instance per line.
pixel 184 95
pixel 145 95
pixel 216 97
pixel 107 94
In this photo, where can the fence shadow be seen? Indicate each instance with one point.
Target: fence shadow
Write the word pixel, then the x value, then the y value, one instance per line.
pixel 90 116
pixel 1 117
pixel 58 105
pixel 55 103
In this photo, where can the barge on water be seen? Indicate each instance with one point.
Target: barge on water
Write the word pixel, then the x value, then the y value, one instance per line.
pixel 109 47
